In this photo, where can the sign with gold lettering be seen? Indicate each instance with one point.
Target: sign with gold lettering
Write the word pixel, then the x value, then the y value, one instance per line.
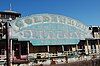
pixel 49 29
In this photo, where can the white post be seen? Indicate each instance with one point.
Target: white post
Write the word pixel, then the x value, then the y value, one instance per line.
pixel 98 46
pixel 48 52
pixel 10 44
pixel 48 49
pixel 28 48
pixel 11 53
pixel 97 49
pixel 87 45
pixel 28 45
pixel 62 48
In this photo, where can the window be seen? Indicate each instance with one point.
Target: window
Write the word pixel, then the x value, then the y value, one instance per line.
pixel 23 49
pixel 13 16
pixel 2 15
pixel 2 51
pixel 7 16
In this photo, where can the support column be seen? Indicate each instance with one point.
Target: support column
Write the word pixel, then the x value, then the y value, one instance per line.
pixel 20 50
pixel 11 53
pixel 76 47
pixel 27 49
pixel 87 45
pixel 48 49
pixel 62 48
pixel 48 52
pixel 5 53
pixel 98 45
pixel 10 44
pixel 7 44
pixel 97 49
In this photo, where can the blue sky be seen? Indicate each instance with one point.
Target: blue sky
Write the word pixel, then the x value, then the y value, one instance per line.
pixel 87 11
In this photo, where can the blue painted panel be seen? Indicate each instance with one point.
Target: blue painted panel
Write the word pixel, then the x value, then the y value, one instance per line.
pixel 49 29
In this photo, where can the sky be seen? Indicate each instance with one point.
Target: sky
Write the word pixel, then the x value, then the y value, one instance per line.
pixel 87 11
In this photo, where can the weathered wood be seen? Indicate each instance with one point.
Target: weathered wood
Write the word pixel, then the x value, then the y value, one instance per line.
pixel 95 62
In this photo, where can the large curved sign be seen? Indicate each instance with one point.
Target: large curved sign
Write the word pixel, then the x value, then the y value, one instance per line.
pixel 49 29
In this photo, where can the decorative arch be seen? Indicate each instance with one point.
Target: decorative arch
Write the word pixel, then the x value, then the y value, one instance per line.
pixel 49 29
